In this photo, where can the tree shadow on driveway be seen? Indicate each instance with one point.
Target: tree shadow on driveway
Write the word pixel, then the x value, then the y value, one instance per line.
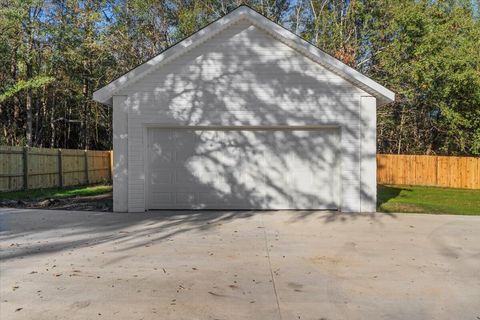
pixel 26 232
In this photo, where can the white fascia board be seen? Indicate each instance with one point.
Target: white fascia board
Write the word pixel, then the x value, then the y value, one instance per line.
pixel 383 95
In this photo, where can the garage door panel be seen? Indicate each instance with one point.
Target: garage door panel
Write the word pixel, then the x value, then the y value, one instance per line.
pixel 208 198
pixel 162 156
pixel 162 177
pixel 185 177
pixel 186 198
pixel 242 169
pixel 161 200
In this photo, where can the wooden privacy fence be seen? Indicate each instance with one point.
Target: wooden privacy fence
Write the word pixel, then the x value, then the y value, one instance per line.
pixel 441 171
pixel 34 168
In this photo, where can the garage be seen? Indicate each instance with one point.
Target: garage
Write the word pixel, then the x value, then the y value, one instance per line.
pixel 275 168
pixel 244 115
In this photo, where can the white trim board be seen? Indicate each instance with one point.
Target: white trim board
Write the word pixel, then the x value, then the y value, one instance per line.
pixel 383 95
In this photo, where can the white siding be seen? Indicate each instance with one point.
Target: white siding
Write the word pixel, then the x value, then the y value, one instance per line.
pixel 244 77
pixel 368 148
pixel 120 145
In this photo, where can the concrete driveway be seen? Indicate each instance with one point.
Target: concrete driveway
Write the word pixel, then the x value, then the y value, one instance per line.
pixel 238 265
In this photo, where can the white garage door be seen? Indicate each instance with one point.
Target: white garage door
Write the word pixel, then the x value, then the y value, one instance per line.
pixel 242 169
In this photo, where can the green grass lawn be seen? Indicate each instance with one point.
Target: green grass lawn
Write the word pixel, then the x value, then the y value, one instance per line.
pixel 390 198
pixel 428 200
pixel 56 193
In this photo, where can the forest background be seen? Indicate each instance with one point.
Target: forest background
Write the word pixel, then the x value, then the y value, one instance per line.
pixel 55 53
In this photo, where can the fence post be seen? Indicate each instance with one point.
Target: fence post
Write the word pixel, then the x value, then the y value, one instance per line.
pixel 9 161
pixel 60 168
pixel 25 168
pixel 111 165
pixel 86 167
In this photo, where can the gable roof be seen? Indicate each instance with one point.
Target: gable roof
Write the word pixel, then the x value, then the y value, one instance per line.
pixel 383 95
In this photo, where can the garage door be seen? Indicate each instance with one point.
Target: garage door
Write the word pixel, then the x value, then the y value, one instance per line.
pixel 242 169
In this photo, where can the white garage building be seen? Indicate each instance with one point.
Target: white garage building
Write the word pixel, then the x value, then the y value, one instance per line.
pixel 244 115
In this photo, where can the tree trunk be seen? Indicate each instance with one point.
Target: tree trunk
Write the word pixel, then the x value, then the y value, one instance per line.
pixel 16 120
pixel 28 105
pixel 13 125
pixel 67 135
pixel 400 130
pixel 28 102
pixel 85 114
pixel 52 125
pixel 36 136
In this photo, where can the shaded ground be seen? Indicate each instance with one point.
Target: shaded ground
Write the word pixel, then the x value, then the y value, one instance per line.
pixel 237 265
pixel 428 200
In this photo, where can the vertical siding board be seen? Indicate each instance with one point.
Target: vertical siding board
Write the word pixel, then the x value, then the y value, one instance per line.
pixel 431 170
pixel 92 166
pixel 475 166
pixel 471 173
pixel 420 171
pixel 380 169
pixel 403 162
pixel 442 168
pixel 410 173
pixel 388 169
pixel 400 164
pixel 462 168
pixel 467 173
pixel 392 176
pixel 453 176
pixel 368 183
pixel 120 161
pixel 477 181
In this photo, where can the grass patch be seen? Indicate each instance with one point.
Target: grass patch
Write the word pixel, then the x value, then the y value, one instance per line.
pixel 428 200
pixel 56 193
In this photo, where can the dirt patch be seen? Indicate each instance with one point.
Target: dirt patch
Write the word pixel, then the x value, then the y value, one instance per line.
pixel 102 202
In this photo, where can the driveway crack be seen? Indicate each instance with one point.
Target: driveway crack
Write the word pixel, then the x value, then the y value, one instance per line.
pixel 271 270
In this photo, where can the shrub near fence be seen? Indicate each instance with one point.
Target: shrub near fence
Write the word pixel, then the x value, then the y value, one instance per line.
pixel 440 171
pixel 34 168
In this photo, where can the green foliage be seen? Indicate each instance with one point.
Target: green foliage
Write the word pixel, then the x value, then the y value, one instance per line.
pixel 34 83
pixel 426 51
pixel 432 59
